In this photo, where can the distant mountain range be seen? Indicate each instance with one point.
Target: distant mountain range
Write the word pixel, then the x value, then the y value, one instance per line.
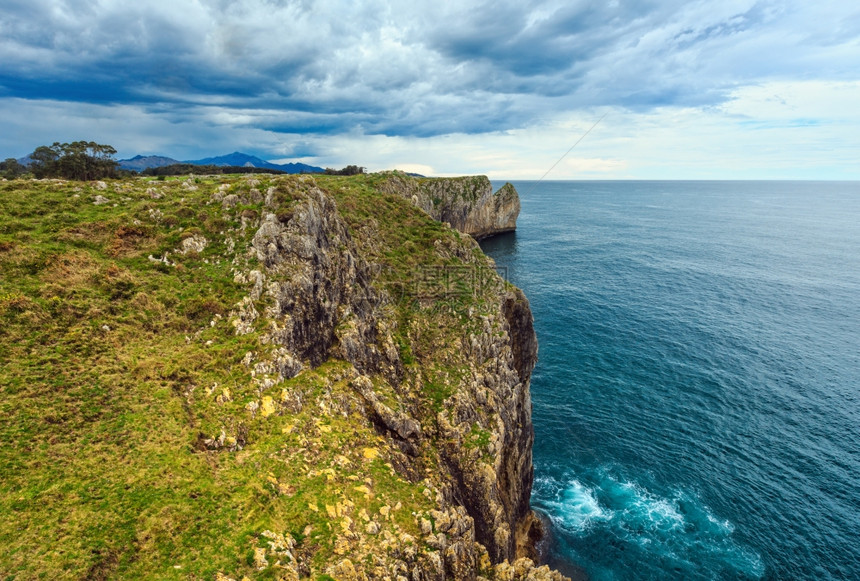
pixel 235 159
pixel 142 162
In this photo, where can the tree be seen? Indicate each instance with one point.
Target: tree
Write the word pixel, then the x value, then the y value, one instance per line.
pixel 11 168
pixel 79 160
pixel 44 161
pixel 349 170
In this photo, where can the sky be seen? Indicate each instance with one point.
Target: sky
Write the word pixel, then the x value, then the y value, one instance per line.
pixel 714 89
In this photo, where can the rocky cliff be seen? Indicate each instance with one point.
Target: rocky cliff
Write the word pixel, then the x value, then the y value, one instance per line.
pixel 310 378
pixel 467 203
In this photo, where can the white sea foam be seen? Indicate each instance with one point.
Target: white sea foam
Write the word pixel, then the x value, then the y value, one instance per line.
pixel 674 528
pixel 575 507
pixel 704 355
pixel 725 525
pixel 642 511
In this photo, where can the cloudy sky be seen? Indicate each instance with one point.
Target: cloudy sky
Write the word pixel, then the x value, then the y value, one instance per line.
pixel 725 89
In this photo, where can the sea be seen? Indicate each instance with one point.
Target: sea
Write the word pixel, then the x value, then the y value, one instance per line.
pixel 696 401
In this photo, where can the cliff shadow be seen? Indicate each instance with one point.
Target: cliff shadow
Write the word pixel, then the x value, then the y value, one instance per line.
pixel 499 245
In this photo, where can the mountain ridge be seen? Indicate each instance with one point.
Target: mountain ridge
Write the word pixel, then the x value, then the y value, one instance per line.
pixel 237 159
pixel 142 162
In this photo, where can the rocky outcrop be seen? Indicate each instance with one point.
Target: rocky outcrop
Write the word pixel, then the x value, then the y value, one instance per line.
pixel 458 418
pixel 323 303
pixel 336 384
pixel 468 204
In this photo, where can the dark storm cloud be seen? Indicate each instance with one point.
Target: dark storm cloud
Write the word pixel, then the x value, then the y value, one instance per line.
pixel 413 69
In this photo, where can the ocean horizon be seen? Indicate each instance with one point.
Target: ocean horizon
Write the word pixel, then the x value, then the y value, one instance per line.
pixel 697 393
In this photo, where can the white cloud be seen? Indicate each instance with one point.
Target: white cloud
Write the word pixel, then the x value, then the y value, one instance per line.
pixel 785 130
pixel 694 89
pixel 797 130
pixel 787 100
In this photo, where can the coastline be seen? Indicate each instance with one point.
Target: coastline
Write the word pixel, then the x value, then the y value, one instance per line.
pixel 373 428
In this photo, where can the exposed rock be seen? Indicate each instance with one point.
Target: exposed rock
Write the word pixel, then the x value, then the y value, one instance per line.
pixel 243 318
pixel 267 407
pixel 286 364
pixel 468 204
pixel 316 299
pixel 195 243
pixel 260 561
pixel 163 260
pixel 386 428
pixel 327 305
pixel 404 429
pixel 525 570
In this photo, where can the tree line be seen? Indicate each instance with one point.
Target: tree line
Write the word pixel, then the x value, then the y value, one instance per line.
pixel 11 169
pixel 350 170
pixel 79 160
pixel 88 160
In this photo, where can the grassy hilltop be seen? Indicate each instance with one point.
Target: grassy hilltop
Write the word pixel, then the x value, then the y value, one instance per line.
pixel 146 434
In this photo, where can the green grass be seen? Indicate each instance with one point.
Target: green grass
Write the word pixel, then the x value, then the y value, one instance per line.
pixel 111 367
pixel 478 438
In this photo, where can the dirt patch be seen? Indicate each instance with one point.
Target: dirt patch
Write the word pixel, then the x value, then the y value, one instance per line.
pixel 128 240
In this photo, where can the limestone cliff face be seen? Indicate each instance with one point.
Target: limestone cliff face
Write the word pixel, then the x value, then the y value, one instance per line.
pixel 456 414
pixel 496 494
pixel 468 204
pixel 272 377
pixel 323 302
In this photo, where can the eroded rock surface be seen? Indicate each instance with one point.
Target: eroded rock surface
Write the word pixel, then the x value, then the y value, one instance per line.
pixel 269 377
pixel 468 204
pixel 456 415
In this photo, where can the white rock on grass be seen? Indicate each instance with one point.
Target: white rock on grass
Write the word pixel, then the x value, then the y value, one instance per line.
pixel 194 244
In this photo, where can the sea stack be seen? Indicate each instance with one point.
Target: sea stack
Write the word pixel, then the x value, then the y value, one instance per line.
pixel 467 204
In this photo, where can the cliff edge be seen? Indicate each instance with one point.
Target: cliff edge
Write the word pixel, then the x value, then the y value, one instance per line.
pixel 467 203
pixel 259 377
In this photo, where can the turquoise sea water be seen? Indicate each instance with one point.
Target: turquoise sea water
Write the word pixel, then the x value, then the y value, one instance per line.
pixel 697 395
